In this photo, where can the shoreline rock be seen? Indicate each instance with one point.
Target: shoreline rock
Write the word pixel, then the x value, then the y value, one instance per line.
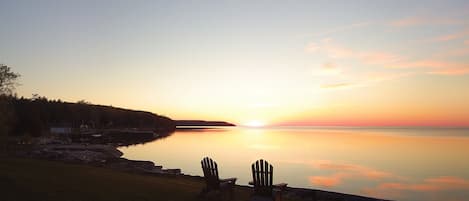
pixel 94 154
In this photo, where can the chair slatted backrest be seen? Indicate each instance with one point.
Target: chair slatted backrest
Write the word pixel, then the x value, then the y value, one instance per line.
pixel 210 169
pixel 262 175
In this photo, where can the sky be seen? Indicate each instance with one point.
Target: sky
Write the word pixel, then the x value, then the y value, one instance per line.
pixel 327 63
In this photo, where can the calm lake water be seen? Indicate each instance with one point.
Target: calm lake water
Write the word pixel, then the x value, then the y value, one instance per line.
pixel 400 164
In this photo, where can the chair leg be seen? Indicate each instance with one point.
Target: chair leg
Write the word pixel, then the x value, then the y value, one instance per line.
pixel 202 193
pixel 278 196
pixel 232 193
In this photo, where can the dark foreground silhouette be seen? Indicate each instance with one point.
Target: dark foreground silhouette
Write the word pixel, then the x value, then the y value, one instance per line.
pixel 30 179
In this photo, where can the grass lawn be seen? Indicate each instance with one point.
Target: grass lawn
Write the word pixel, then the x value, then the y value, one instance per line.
pixel 29 179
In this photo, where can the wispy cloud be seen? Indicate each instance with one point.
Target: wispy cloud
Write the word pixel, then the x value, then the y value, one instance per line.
pixel 344 171
pixel 327 68
pixel 380 65
pixel 455 71
pixel 452 36
pixel 390 60
pixel 344 28
pixel 428 64
pixel 336 51
pixel 435 184
pixel 327 181
pixel 336 85
pixel 380 77
pixel 389 185
pixel 449 37
pixel 420 20
pixel 352 169
pixel 329 65
pixel 456 52
pixel 312 48
pixel 437 67
pixel 409 21
pixel 355 79
pixel 366 79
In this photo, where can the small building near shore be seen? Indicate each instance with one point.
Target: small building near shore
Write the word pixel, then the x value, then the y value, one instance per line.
pixel 61 130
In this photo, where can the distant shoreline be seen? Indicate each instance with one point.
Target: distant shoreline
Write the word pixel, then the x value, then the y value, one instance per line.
pixel 181 123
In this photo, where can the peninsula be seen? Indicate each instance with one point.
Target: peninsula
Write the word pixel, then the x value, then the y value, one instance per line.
pixel 202 123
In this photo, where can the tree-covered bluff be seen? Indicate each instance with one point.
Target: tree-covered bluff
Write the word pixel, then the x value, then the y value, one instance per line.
pixel 37 115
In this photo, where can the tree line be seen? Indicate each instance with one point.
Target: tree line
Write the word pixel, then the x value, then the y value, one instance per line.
pixel 34 116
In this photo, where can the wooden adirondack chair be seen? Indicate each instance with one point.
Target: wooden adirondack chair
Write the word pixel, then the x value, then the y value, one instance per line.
pixel 214 183
pixel 262 175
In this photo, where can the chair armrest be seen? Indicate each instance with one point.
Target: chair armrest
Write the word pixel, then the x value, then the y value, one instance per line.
pixel 278 191
pixel 232 180
pixel 281 186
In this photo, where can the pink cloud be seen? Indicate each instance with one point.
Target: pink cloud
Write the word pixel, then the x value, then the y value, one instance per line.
pixel 329 65
pixel 458 52
pixel 428 64
pixel 390 60
pixel 449 37
pixel 312 48
pixel 368 57
pixel 436 184
pixel 432 184
pixel 453 71
pixel 329 68
pixel 449 182
pixel 328 165
pixel 379 57
pixel 344 28
pixel 452 36
pixel 344 171
pixel 410 21
pixel 335 51
pixel 438 67
pixel 378 77
pixel 352 169
pixel 336 85
pixel 415 21
pixel 327 181
pixel 466 42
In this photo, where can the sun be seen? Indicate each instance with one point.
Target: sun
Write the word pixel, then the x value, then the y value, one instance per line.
pixel 255 123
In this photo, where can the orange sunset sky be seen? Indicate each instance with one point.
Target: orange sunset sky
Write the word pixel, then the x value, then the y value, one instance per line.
pixel 339 63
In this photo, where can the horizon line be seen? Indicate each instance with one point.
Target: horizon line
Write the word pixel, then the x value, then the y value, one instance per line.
pixel 343 126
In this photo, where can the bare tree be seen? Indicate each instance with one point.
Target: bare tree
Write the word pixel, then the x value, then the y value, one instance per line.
pixel 7 80
pixel 7 87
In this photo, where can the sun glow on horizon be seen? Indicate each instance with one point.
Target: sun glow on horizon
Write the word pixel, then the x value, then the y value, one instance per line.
pixel 255 124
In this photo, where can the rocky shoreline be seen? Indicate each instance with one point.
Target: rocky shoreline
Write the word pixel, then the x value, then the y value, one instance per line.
pixel 94 154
